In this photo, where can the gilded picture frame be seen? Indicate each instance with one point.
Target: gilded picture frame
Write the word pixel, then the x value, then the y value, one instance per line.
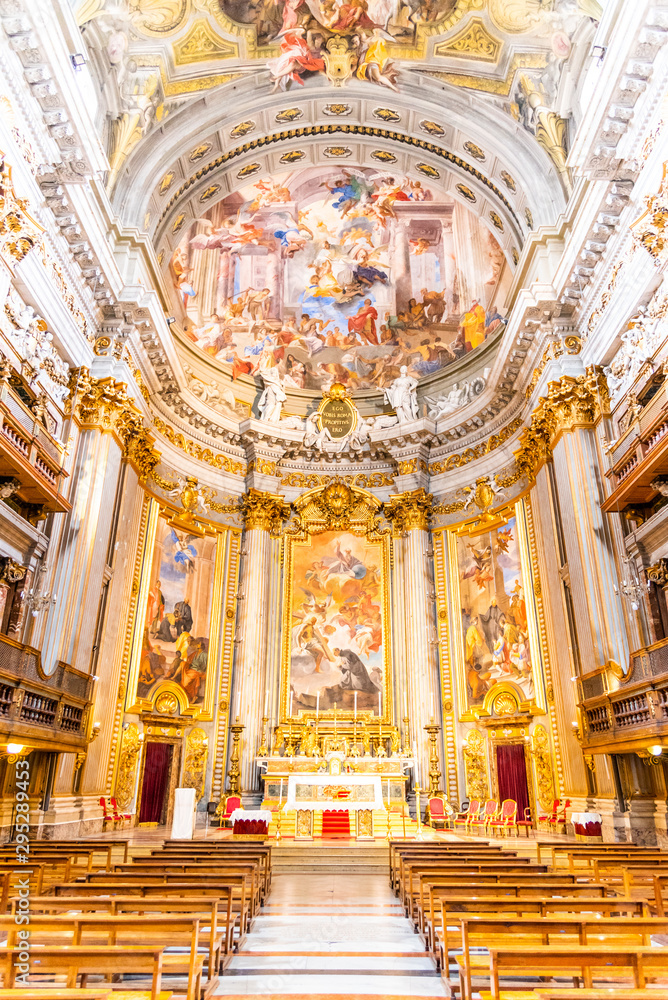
pixel 175 644
pixel 345 557
pixel 498 651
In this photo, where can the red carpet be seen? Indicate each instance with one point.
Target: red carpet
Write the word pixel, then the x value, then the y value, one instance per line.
pixel 335 824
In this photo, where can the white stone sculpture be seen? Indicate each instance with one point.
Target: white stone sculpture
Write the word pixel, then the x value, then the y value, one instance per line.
pixel 273 396
pixel 645 334
pixel 402 395
pixel 455 398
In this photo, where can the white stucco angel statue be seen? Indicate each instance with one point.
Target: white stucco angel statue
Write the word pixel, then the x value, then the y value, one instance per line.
pixel 402 395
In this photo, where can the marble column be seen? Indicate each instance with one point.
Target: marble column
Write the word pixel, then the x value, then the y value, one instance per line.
pixel 263 515
pixel 401 265
pixel 410 515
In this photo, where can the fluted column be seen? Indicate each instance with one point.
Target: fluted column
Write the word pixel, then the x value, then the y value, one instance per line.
pixel 263 513
pixel 410 514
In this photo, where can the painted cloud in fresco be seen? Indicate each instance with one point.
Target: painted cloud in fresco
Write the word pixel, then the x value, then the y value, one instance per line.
pixel 342 276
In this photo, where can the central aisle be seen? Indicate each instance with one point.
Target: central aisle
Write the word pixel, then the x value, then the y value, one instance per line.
pixel 324 935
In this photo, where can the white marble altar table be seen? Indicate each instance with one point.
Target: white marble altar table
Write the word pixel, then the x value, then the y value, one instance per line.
pixel 316 792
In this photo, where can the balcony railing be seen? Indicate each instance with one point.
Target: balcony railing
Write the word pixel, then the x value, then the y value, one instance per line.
pixel 30 454
pixel 42 710
pixel 627 713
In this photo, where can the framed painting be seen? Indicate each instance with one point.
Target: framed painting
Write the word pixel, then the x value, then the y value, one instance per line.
pixel 175 640
pixel 495 638
pixel 336 624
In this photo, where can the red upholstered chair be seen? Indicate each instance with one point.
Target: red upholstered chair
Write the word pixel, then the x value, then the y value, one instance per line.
pixel 436 812
pixel 119 816
pixel 484 818
pixel 546 818
pixel 107 817
pixel 558 821
pixel 507 818
pixel 232 802
pixel 471 813
pixel 526 823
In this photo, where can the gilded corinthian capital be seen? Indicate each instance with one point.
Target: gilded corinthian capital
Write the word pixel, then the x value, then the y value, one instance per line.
pixel 264 510
pixel 409 511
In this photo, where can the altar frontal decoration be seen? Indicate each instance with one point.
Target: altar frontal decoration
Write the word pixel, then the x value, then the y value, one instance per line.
pixel 335 620
pixel 176 631
pixel 321 792
pixel 496 638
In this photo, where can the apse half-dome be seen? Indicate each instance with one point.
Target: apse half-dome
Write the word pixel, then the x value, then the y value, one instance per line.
pixel 339 275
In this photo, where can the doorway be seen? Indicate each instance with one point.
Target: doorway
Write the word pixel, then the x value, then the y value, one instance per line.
pixel 511 773
pixel 155 784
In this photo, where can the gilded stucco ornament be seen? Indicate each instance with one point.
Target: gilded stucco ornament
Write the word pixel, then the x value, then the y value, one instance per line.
pixel 19 232
pixel 475 765
pixel 658 573
pixel 651 229
pixel 540 751
pixel 571 402
pixel 337 506
pixel 264 511
pixel 105 404
pixel 127 765
pixel 194 768
pixel 409 511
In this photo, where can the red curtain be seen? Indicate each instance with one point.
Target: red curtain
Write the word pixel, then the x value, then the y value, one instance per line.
pixel 511 771
pixel 154 786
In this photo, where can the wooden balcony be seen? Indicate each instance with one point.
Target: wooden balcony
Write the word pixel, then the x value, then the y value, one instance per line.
pixel 640 455
pixel 29 454
pixel 633 716
pixel 45 711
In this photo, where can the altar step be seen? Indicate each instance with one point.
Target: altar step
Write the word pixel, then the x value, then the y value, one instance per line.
pixel 320 858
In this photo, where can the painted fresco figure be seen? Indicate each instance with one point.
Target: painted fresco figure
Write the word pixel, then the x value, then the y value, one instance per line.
pixel 273 395
pixel 355 674
pixel 183 617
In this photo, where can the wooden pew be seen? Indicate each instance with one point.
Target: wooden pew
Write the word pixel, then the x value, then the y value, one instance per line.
pixel 586 962
pixel 168 887
pixel 199 858
pixel 104 847
pixel 476 931
pixel 449 911
pixel 404 849
pixel 188 872
pixel 53 960
pixel 254 848
pixel 215 915
pixel 408 863
pixel 97 930
pixel 414 874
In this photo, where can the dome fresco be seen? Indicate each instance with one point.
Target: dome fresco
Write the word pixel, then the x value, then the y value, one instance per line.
pixel 342 275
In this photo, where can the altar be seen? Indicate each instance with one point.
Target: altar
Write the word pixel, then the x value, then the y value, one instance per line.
pixel 368 789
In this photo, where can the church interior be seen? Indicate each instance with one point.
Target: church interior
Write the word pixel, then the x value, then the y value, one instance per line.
pixel 334 499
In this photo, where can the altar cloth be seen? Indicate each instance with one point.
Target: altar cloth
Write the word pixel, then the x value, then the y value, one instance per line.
pixel 317 792
pixel 261 814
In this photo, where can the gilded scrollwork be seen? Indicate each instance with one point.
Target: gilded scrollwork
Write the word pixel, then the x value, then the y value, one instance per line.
pixel 127 766
pixel 540 751
pixel 194 768
pixel 651 229
pixel 310 480
pixel 19 232
pixel 569 403
pixel 475 765
pixel 337 506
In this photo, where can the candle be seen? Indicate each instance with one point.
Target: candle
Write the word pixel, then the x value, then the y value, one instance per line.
pixel 291 694
pixel 280 798
pixel 388 794
pixel 405 705
pixel 380 710
pixel 317 706
pixel 238 705
pixel 266 702
pixel 415 762
pixel 431 703
pixel 355 706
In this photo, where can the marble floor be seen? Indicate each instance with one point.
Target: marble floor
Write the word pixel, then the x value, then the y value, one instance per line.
pixel 331 935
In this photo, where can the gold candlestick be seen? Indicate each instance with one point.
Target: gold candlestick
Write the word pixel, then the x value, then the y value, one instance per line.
pixel 278 820
pixel 290 747
pixel 407 752
pixel 237 729
pixel 262 750
pixel 434 766
pixel 417 812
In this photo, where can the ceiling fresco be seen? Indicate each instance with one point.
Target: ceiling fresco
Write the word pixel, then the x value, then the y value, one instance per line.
pixel 339 275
